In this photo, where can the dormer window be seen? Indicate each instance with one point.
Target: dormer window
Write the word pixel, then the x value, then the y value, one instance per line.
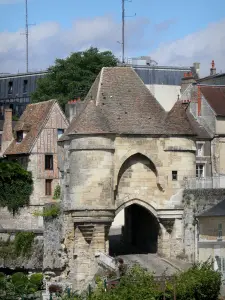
pixel 19 136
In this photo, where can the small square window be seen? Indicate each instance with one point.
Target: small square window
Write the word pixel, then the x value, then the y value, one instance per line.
pixel 174 175
pixel 19 136
pixel 60 132
pixel 49 162
pixel 200 171
pixel 48 187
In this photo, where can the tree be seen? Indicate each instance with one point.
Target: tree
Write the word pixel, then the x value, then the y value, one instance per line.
pixel 16 185
pixel 72 77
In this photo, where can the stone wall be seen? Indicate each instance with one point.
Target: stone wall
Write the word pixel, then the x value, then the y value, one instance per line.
pixel 32 263
pixel 196 202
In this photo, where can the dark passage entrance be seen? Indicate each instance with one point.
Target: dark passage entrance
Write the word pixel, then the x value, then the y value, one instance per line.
pixel 139 234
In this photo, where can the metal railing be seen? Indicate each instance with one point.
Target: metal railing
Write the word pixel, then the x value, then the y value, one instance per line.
pixel 214 182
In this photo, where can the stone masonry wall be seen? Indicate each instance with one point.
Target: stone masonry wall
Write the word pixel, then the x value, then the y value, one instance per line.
pixel 196 202
pixel 140 181
pixel 32 263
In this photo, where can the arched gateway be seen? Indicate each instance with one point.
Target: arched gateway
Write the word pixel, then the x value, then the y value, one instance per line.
pixel 120 153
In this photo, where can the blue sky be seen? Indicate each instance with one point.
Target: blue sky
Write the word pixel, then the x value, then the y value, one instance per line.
pixel 157 23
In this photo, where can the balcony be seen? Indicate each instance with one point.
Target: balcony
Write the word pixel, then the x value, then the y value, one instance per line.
pixel 215 182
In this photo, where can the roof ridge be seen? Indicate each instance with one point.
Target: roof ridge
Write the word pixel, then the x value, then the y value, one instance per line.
pixel 99 86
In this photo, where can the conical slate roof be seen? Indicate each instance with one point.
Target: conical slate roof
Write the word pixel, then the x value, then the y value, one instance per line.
pixel 119 102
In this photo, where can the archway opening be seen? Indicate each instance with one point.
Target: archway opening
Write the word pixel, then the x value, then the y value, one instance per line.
pixel 138 234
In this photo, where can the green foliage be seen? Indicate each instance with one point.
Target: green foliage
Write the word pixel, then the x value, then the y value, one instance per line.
pixel 37 279
pixel 57 192
pixel 199 282
pixel 17 286
pixel 23 243
pixel 7 249
pixel 72 77
pixel 21 246
pixel 16 185
pixel 52 210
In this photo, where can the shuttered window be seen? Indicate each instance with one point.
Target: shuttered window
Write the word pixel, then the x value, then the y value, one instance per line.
pixel 48 187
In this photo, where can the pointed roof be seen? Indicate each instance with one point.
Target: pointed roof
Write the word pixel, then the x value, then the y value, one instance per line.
pixel 177 120
pixel 31 123
pixel 122 104
pixel 215 96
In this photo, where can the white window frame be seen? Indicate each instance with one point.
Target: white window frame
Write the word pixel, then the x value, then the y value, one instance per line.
pixel 203 169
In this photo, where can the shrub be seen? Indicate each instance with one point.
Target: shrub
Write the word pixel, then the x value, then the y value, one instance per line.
pixel 52 211
pixel 16 185
pixel 23 243
pixel 37 280
pixel 57 192
pixel 199 282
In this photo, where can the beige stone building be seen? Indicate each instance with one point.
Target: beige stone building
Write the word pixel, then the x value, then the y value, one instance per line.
pixel 122 151
pixel 211 236
pixel 207 105
pixel 34 144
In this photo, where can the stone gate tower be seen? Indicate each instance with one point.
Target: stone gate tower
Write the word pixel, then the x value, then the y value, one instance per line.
pixel 123 151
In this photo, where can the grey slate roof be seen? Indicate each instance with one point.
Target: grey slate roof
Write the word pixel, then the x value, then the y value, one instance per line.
pixel 123 104
pixel 216 211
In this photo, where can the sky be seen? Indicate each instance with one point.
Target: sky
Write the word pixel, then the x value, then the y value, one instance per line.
pixel 172 32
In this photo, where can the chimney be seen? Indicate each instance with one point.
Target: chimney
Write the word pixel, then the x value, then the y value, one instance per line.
pixel 73 108
pixel 213 69
pixel 196 66
pixel 7 135
pixel 186 81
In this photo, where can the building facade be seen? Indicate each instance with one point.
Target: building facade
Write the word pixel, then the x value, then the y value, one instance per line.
pixel 34 145
pixel 124 152
pixel 16 90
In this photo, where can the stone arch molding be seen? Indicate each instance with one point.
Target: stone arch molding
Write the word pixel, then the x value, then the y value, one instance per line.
pixel 159 177
pixel 140 202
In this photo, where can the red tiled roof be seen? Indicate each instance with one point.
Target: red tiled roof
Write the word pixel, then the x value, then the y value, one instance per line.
pixel 215 96
pixel 31 122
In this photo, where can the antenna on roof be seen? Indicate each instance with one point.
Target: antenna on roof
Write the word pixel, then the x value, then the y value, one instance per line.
pixel 26 33
pixel 123 29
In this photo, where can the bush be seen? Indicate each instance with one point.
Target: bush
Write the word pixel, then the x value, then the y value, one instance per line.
pixel 199 282
pixel 23 243
pixel 37 279
pixel 16 185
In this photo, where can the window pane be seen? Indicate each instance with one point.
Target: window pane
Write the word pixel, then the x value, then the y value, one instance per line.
pixel 60 132
pixel 48 162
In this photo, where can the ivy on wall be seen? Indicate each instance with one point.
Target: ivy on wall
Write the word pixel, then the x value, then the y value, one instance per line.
pixel 16 185
pixel 21 246
pixel 57 192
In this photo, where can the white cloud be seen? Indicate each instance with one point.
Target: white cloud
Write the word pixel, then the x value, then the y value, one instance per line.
pixel 49 41
pixel 202 46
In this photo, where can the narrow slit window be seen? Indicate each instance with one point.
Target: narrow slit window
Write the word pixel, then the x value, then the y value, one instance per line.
pixel 48 187
pixel 25 84
pixel 48 162
pixel 174 175
pixel 10 87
